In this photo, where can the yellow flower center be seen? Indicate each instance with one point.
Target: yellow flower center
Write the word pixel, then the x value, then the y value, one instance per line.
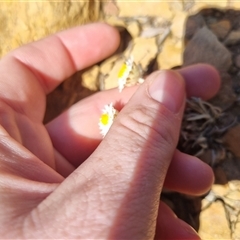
pixel 122 70
pixel 104 119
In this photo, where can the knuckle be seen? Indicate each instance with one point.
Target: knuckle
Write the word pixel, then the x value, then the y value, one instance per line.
pixel 147 124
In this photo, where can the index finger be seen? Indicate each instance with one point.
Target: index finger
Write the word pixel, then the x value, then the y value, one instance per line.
pixel 59 56
pixel 32 71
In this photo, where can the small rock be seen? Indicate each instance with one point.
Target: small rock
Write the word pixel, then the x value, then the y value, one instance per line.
pixel 144 50
pixel 221 28
pixel 114 21
pixel 90 78
pixel 134 29
pixel 171 54
pixel 204 47
pixel 232 38
pixel 220 190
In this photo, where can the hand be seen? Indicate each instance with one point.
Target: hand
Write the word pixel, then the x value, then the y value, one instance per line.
pixel 62 181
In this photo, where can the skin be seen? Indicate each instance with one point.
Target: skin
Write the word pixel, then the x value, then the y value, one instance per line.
pixel 62 180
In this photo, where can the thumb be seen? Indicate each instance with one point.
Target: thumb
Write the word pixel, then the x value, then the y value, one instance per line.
pixel 146 134
pixel 115 193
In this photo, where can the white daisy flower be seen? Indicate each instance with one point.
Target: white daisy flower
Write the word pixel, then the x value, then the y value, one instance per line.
pixel 129 74
pixel 124 72
pixel 107 118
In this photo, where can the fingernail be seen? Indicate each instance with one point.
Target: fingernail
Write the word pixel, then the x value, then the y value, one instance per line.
pixel 168 88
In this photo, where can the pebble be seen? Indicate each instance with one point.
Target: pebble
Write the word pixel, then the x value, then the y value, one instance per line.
pixel 221 28
pixel 134 29
pixel 232 38
pixel 171 53
pixel 89 78
pixel 144 50
pixel 204 47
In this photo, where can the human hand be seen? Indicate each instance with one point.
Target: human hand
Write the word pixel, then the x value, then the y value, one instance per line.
pixel 62 181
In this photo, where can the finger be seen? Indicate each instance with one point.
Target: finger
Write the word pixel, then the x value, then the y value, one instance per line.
pixel 169 226
pixel 75 133
pixel 57 57
pixel 202 80
pixel 188 174
pixel 40 66
pixel 121 181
